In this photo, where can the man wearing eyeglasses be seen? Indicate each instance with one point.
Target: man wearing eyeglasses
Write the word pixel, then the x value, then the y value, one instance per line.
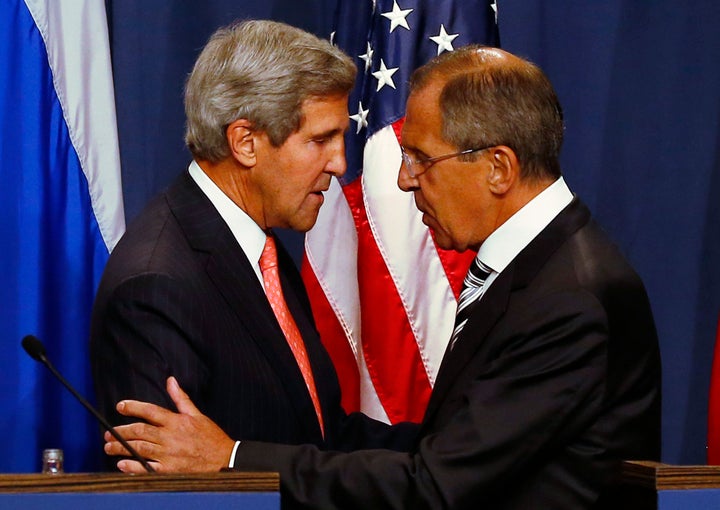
pixel 552 375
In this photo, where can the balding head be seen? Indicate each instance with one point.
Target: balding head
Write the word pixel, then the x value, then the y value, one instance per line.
pixel 492 97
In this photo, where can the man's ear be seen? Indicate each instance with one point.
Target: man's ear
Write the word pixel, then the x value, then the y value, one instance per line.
pixel 241 141
pixel 505 170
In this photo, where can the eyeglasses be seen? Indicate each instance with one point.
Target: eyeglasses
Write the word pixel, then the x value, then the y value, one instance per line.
pixel 418 167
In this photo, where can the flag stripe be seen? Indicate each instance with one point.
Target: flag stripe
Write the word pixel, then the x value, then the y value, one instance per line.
pixel 340 351
pixel 335 270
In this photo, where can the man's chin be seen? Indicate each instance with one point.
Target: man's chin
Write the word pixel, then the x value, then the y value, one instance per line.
pixel 447 243
pixel 441 239
pixel 304 222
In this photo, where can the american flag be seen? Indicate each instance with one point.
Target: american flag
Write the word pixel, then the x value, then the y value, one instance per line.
pixel 383 294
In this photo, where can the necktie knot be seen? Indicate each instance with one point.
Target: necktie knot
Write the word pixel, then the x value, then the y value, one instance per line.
pixel 473 289
pixel 268 258
pixel 477 274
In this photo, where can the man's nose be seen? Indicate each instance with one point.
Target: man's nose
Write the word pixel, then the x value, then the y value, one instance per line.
pixel 337 164
pixel 404 181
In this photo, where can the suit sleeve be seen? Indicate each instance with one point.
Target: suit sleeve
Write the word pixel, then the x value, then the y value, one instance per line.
pixel 145 333
pixel 358 431
pixel 538 393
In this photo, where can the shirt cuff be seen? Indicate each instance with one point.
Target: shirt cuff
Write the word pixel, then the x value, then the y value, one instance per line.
pixel 232 456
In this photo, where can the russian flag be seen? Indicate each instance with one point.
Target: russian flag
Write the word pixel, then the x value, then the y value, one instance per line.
pixel 60 215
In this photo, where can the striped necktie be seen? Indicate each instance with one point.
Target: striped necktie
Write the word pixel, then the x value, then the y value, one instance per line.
pixel 473 289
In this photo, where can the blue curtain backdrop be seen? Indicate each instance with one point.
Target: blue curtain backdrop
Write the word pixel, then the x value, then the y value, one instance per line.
pixel 639 82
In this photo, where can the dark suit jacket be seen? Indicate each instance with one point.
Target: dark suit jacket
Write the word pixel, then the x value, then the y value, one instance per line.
pixel 179 297
pixel 554 380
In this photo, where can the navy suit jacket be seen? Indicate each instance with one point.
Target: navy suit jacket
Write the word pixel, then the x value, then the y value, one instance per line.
pixel 179 297
pixel 554 380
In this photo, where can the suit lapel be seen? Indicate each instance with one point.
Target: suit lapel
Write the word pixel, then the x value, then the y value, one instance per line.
pixel 233 276
pixel 490 309
pixel 485 315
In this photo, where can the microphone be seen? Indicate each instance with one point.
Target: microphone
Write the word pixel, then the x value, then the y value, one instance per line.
pixel 35 348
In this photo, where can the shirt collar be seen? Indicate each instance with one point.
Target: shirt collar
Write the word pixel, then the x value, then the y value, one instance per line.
pixel 503 245
pixel 247 233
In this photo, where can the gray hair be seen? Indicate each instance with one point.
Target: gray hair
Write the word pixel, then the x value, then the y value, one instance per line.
pixel 261 71
pixel 491 97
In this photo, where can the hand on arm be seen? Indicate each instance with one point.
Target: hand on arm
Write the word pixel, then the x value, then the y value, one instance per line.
pixel 186 441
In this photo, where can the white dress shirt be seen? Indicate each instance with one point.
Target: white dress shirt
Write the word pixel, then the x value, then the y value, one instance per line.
pixel 503 245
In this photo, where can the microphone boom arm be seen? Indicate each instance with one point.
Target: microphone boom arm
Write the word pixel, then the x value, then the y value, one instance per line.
pixel 36 350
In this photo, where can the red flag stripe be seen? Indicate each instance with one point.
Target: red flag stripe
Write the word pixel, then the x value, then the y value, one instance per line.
pixel 334 339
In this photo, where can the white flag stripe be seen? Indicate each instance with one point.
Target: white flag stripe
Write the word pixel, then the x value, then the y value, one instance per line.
pixel 369 401
pixel 80 64
pixel 408 250
pixel 337 272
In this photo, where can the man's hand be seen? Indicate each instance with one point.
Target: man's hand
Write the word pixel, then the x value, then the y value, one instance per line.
pixel 187 441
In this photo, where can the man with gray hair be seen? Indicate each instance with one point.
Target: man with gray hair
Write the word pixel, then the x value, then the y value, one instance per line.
pixel 199 288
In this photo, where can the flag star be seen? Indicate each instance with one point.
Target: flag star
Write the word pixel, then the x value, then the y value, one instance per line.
pixel 384 75
pixel 494 7
pixel 397 17
pixel 360 117
pixel 367 57
pixel 443 40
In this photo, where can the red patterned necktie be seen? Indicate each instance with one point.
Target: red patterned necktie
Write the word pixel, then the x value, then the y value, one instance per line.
pixel 273 290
